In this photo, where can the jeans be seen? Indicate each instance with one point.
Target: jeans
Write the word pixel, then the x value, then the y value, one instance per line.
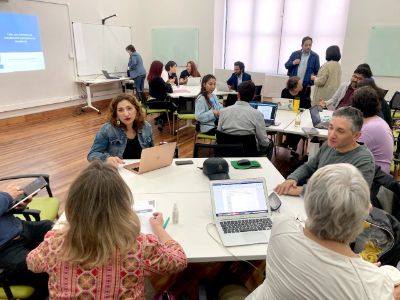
pixel 13 258
pixel 139 83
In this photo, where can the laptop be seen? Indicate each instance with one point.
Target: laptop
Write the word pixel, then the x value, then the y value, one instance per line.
pixel 193 81
pixel 153 158
pixel 241 211
pixel 283 103
pixel 223 87
pixel 268 110
pixel 108 76
pixel 316 119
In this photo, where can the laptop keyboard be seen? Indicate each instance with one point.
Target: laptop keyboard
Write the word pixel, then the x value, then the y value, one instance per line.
pixel 245 225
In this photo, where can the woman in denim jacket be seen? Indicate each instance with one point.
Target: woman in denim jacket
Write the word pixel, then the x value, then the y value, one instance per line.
pixel 124 135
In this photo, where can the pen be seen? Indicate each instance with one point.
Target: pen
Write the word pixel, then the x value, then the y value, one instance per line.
pixel 166 223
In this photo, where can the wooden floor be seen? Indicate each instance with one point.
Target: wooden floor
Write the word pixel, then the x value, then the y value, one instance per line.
pixel 57 143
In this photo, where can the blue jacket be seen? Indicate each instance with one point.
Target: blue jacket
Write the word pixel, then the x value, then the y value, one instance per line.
pixel 312 66
pixel 111 141
pixel 10 226
pixel 233 80
pixel 204 113
pixel 135 65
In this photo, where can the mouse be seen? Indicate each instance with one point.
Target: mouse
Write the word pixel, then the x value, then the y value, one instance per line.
pixel 243 162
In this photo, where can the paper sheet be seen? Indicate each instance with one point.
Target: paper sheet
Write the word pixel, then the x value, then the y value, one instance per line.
pixel 145 210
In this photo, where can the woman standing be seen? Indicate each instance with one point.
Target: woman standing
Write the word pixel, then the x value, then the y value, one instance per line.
pixel 190 71
pixel 100 253
pixel 136 68
pixel 207 106
pixel 124 135
pixel 329 75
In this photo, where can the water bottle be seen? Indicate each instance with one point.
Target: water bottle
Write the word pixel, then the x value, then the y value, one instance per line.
pixel 297 120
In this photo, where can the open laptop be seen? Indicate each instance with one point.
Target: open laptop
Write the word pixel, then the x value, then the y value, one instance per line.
pixel 108 76
pixel 268 110
pixel 153 158
pixel 283 103
pixel 222 87
pixel 316 119
pixel 193 81
pixel 241 211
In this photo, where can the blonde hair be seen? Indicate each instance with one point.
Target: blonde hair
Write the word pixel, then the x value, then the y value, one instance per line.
pixel 100 216
pixel 336 202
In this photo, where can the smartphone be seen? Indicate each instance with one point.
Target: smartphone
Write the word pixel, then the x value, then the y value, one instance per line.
pixel 183 162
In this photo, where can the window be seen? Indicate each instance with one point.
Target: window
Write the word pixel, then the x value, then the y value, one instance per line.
pixel 263 33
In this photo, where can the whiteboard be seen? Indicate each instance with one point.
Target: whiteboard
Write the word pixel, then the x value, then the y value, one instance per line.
pixel 178 44
pixel 101 47
pixel 383 50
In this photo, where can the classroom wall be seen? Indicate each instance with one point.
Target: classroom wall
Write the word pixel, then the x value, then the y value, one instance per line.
pixel 363 14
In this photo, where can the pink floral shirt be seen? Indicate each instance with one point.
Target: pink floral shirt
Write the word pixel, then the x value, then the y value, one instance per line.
pixel 121 278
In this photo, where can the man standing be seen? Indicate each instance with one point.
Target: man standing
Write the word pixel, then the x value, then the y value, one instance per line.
pixel 342 96
pixel 242 119
pixel 342 147
pixel 238 76
pixel 304 63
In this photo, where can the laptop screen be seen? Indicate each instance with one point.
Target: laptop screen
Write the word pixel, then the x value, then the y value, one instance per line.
pixel 268 110
pixel 237 198
pixel 314 112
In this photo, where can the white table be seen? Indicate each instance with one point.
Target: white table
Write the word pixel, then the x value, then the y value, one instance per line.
pixel 284 118
pixel 307 122
pixel 89 82
pixel 193 91
pixel 188 187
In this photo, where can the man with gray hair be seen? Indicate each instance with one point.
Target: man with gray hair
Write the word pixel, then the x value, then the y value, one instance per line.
pixel 342 147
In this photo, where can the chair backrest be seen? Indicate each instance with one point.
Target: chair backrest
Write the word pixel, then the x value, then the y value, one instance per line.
pixel 395 102
pixel 186 105
pixel 247 141
pixel 257 94
pixel 384 92
pixel 216 150
pixel 230 100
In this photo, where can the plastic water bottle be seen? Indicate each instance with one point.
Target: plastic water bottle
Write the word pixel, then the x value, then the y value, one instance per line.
pixel 175 214
pixel 297 120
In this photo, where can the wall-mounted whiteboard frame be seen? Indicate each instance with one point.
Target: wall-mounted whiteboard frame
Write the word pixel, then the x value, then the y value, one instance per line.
pixel 178 44
pixel 383 50
pixel 101 47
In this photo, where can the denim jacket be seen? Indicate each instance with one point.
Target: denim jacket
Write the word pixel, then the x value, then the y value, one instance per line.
pixel 111 141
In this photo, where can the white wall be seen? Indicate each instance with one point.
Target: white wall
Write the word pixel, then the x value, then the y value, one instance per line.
pixel 363 14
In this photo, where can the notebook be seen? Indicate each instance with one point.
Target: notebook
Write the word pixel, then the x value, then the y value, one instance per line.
pixel 268 110
pixel 283 103
pixel 108 76
pixel 241 211
pixel 316 119
pixel 153 158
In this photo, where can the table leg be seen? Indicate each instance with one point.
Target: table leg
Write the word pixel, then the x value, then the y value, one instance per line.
pixel 89 100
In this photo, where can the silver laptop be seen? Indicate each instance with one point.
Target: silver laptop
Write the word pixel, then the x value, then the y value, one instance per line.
pixel 193 81
pixel 108 76
pixel 283 103
pixel 222 87
pixel 241 211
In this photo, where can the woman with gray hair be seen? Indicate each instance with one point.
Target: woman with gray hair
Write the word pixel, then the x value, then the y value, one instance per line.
pixel 315 261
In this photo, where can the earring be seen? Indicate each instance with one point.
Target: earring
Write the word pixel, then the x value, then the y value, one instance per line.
pixel 118 122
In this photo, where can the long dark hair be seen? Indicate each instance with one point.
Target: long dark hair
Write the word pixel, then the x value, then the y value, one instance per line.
pixel 156 68
pixel 203 91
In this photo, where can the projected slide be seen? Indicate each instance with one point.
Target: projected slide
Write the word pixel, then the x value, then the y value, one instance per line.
pixel 20 45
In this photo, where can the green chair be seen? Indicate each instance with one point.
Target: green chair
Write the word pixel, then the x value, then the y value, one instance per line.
pixel 40 208
pixel 185 112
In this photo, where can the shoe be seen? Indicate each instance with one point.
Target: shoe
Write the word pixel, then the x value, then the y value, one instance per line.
pixel 160 125
pixel 294 154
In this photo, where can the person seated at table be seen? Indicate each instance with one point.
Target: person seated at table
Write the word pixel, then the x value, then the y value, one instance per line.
pixel 242 119
pixel 158 89
pixel 169 74
pixel 125 133
pixel 17 239
pixel 238 76
pixel 329 75
pixel 342 96
pixel 342 147
pixel 292 90
pixel 190 71
pixel 385 112
pixel 100 253
pixel 313 260
pixel 207 107
pixel 375 132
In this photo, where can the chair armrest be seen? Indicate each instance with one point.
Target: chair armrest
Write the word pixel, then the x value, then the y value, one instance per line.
pixel 45 176
pixel 27 213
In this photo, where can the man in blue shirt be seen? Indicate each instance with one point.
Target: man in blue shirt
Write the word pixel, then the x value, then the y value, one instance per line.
pixel 238 76
pixel 304 63
pixel 17 239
